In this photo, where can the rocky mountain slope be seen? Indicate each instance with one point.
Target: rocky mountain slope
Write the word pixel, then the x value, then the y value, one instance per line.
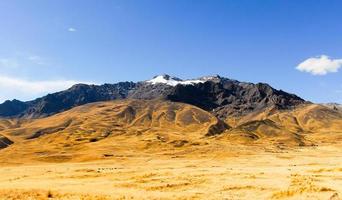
pixel 221 96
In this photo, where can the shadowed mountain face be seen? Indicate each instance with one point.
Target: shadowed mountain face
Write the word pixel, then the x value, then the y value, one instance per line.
pixel 219 95
pixel 12 108
pixel 228 97
pixel 79 94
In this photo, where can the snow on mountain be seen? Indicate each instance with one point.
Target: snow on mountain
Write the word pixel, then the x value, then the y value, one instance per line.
pixel 173 81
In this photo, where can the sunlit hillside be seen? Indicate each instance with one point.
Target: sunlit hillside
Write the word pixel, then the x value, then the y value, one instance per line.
pixel 99 130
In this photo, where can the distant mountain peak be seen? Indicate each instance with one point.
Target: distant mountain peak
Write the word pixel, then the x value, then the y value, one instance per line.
pixel 173 81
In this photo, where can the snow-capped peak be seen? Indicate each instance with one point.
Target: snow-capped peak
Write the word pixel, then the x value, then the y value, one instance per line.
pixel 173 81
pixel 210 78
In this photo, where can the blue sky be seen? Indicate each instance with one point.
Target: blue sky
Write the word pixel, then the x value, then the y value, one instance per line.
pixel 48 45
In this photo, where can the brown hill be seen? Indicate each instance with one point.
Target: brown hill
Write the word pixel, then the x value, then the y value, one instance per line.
pixel 125 125
pixel 108 129
pixel 307 124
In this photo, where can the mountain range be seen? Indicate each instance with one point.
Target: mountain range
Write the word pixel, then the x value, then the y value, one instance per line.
pixel 219 95
pixel 160 114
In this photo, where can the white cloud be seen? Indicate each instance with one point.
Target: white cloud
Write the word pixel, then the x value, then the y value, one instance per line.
pixel 320 65
pixel 72 29
pixel 15 88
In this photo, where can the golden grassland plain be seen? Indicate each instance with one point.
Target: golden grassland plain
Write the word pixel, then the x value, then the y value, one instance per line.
pixel 303 173
pixel 164 150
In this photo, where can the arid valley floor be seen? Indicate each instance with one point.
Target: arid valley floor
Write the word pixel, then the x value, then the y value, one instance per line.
pixel 255 173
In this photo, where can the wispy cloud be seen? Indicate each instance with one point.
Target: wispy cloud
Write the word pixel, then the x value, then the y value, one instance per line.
pixel 320 65
pixel 37 60
pixel 71 29
pixel 8 62
pixel 11 87
pixel 22 60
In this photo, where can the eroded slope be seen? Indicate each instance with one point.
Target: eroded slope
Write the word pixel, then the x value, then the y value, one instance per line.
pixel 127 125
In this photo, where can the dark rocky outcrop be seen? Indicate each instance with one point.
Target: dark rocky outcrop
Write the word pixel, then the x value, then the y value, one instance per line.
pixel 229 97
pixel 4 142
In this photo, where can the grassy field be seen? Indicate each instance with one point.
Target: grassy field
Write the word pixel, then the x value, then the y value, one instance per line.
pixel 303 173
pixel 164 150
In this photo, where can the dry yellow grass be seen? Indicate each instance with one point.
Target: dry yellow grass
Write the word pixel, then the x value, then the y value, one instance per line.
pixel 160 150
pixel 105 129
pixel 308 124
pixel 295 174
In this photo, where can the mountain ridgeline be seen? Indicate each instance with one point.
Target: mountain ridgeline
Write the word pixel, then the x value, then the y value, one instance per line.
pixel 221 96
